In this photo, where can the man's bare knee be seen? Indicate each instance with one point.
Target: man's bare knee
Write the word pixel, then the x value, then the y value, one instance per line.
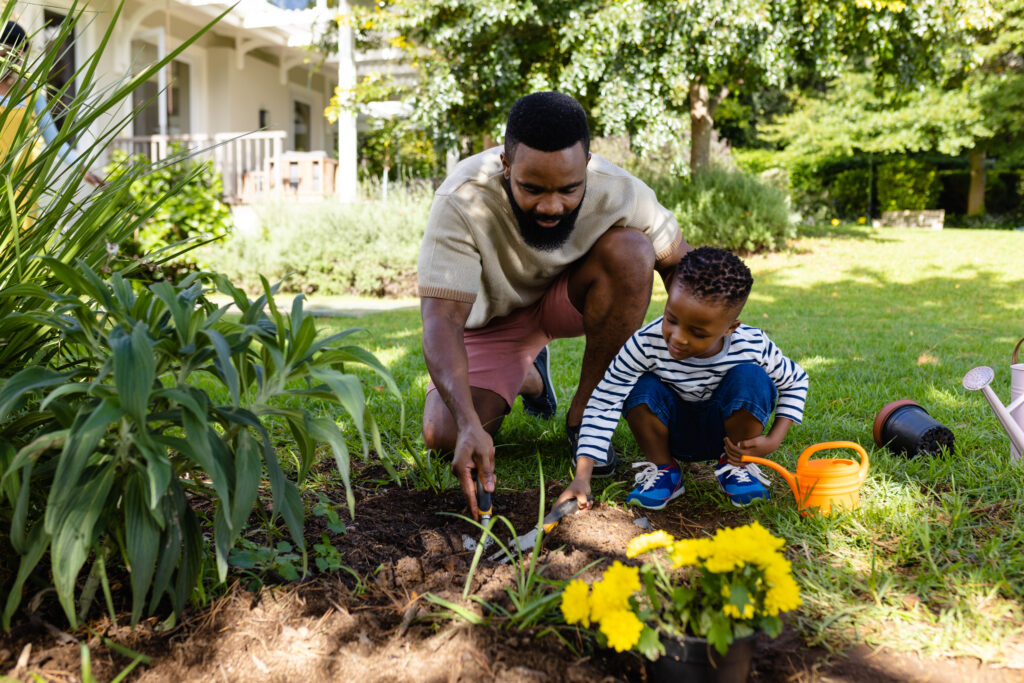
pixel 624 253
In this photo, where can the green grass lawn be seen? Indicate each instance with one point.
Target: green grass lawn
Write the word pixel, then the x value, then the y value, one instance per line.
pixel 934 558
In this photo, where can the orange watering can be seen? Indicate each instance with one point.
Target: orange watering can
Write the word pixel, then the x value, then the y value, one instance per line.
pixel 820 485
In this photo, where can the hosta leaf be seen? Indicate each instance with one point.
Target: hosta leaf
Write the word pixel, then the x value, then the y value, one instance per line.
pixel 349 392
pixel 223 363
pixel 324 429
pixel 170 545
pixel 38 542
pixel 76 531
pixel 141 542
pixel 181 311
pixel 82 439
pixel 134 369
pixel 248 474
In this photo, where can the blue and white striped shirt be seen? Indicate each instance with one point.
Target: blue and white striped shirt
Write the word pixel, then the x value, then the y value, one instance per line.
pixel 693 379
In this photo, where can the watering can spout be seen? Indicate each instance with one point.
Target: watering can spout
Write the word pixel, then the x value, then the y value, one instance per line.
pixel 783 472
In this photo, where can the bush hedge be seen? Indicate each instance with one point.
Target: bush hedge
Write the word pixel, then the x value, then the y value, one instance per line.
pixel 728 209
pixel 367 248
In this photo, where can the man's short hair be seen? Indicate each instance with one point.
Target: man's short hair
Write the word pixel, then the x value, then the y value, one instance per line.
pixel 14 36
pixel 546 121
pixel 712 274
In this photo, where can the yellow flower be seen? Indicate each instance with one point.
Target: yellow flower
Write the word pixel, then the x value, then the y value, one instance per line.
pixel 627 578
pixel 622 629
pixel 689 551
pixel 835 221
pixel 575 606
pixel 862 220
pixel 730 610
pixel 611 594
pixel 648 542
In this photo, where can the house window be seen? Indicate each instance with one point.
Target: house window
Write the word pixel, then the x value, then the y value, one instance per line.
pixel 63 72
pixel 264 119
pixel 302 126
pixel 145 98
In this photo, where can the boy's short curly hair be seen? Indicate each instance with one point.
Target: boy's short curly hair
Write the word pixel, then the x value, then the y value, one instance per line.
pixel 713 274
pixel 546 121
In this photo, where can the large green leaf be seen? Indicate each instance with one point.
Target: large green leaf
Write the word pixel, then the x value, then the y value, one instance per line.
pixel 134 369
pixel 75 533
pixel 141 542
pixel 83 438
pixel 38 543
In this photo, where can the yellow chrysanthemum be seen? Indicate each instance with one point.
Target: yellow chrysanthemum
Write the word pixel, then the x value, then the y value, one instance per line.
pixel 575 603
pixel 689 551
pixel 611 594
pixel 783 596
pixel 627 578
pixel 648 542
pixel 622 629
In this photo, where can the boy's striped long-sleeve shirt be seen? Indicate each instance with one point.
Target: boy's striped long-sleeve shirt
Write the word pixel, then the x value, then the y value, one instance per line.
pixel 692 379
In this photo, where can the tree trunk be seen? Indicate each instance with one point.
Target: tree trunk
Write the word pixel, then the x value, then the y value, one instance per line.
pixel 702 123
pixel 976 193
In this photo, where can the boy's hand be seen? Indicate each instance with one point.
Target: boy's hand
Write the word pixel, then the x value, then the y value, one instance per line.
pixel 579 487
pixel 759 446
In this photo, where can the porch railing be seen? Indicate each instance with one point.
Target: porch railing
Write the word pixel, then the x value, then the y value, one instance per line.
pixel 243 159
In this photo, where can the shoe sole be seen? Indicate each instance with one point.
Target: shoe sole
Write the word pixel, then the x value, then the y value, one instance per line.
pixel 675 494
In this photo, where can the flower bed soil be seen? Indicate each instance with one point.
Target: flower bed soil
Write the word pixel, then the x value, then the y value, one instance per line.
pixel 332 627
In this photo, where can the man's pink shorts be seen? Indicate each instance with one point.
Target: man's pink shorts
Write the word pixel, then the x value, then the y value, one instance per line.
pixel 501 353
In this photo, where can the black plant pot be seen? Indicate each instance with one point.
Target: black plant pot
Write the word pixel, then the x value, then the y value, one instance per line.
pixel 694 659
pixel 907 428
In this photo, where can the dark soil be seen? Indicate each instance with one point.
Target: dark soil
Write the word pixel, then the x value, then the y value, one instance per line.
pixel 403 544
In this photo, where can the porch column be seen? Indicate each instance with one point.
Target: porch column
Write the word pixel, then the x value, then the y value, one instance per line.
pixel 345 181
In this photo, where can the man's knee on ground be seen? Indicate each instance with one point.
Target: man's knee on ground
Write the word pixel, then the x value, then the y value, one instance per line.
pixel 435 436
pixel 625 254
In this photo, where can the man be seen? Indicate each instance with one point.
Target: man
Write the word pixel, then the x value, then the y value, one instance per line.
pixel 523 245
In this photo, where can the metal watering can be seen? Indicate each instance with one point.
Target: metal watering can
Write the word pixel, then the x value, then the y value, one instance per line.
pixel 1012 415
pixel 820 485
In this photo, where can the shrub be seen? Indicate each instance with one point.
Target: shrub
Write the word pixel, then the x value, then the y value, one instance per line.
pixel 907 184
pixel 182 196
pixel 158 404
pixel 728 209
pixel 368 247
pixel 851 192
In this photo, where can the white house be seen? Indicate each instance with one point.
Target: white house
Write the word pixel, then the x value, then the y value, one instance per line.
pixel 250 85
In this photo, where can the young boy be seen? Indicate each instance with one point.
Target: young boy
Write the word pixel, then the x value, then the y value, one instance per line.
pixel 695 384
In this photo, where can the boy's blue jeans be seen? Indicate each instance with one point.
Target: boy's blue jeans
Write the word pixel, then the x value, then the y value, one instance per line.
pixel 696 430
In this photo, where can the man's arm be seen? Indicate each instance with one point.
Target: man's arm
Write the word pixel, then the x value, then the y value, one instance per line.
pixel 444 349
pixel 666 267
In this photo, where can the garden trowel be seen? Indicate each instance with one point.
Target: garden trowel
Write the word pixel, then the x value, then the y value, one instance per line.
pixel 529 539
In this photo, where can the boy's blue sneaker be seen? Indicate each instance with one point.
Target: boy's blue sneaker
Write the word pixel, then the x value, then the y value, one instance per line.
pixel 601 470
pixel 656 486
pixel 743 485
pixel 546 403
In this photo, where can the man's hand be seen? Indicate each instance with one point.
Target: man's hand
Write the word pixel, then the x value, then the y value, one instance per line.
pixel 579 487
pixel 474 452
pixel 759 446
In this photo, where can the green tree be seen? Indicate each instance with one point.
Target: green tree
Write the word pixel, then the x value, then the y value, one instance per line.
pixel 974 107
pixel 643 67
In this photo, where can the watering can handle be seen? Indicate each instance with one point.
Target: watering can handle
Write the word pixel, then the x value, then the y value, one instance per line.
pixel 1013 358
pixel 827 445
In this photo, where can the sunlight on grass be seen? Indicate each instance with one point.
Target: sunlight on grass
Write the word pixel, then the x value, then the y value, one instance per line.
pixel 932 560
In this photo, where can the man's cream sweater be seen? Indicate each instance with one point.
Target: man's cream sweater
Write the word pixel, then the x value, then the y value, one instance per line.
pixel 473 251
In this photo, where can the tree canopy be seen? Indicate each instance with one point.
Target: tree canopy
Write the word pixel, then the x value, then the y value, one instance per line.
pixel 646 67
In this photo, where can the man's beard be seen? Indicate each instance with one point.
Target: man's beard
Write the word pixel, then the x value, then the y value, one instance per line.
pixel 537 236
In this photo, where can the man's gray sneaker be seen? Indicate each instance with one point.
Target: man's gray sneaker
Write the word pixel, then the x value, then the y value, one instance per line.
pixel 546 403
